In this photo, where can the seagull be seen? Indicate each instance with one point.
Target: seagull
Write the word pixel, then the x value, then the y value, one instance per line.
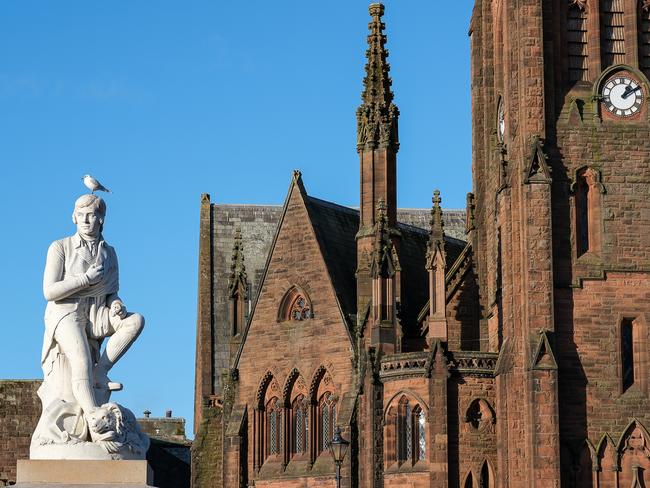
pixel 93 185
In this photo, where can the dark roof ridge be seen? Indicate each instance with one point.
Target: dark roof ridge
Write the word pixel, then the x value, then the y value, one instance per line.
pixel 327 203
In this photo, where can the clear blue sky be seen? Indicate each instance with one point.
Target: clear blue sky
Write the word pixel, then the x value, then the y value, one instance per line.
pixel 165 100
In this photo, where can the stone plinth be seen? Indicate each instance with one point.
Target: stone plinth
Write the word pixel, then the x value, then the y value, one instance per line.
pixel 82 473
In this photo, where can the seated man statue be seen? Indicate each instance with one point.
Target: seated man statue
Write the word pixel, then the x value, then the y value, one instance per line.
pixel 81 284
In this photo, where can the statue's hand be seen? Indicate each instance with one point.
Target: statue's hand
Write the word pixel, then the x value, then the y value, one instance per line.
pixel 118 309
pixel 95 273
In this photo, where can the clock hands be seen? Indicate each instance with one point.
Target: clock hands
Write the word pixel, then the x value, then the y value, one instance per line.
pixel 628 91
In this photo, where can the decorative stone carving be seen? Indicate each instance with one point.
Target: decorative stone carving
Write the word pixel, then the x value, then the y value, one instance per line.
pixel 480 415
pixel 537 170
pixel 81 284
pixel 581 4
pixel 377 117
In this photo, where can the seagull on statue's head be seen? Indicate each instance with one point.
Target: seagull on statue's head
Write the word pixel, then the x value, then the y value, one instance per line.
pixel 93 185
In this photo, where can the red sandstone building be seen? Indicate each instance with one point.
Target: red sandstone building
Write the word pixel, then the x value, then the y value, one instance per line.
pixel 515 357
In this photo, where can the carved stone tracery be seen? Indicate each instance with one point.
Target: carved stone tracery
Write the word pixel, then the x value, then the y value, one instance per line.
pixel 300 309
pixel 295 306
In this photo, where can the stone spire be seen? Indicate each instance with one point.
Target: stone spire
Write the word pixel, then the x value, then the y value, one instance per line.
pixel 377 116
pixel 238 279
pixel 377 146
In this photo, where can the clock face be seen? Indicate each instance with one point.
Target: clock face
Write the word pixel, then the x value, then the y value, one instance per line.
pixel 622 96
pixel 501 121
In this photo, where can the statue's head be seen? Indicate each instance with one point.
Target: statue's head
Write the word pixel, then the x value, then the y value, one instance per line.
pixel 88 215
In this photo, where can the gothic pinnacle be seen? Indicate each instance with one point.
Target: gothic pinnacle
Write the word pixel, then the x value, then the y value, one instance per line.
pixel 436 224
pixel 237 268
pixel 377 116
pixel 436 228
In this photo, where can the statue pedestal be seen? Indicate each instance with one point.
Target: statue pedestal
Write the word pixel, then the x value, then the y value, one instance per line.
pixel 69 473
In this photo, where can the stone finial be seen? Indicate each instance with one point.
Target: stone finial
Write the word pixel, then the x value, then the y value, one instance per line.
pixel 376 9
pixel 377 116
pixel 436 223
pixel 436 229
pixel 238 279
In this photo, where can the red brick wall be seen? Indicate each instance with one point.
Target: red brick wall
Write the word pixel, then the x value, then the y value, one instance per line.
pixel 20 409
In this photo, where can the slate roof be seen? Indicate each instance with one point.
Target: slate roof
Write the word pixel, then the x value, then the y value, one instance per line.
pixel 336 227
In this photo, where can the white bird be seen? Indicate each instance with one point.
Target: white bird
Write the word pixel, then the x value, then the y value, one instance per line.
pixel 93 185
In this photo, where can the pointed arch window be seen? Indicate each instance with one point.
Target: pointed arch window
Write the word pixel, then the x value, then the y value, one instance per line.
pixel 633 354
pixel 419 420
pixel 486 481
pixel 577 41
pixel 627 353
pixel 273 414
pixel 411 432
pixel 299 425
pixel 295 306
pixel 327 420
pixel 469 481
pixel 612 32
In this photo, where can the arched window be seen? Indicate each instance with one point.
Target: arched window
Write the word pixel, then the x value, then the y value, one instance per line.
pixel 627 353
pixel 327 420
pixel 612 32
pixel 485 481
pixel 577 41
pixel 582 215
pixel 634 449
pixel 633 354
pixel 419 422
pixel 299 425
pixel 295 306
pixel 469 481
pixel 403 430
pixel 273 417
pixel 411 432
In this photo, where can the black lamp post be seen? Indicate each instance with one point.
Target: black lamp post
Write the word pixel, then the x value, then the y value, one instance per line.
pixel 339 448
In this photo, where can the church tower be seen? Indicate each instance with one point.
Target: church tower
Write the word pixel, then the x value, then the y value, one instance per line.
pixel 561 175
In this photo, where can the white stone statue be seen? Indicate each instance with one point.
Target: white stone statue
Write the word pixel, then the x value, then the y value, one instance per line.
pixel 81 284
